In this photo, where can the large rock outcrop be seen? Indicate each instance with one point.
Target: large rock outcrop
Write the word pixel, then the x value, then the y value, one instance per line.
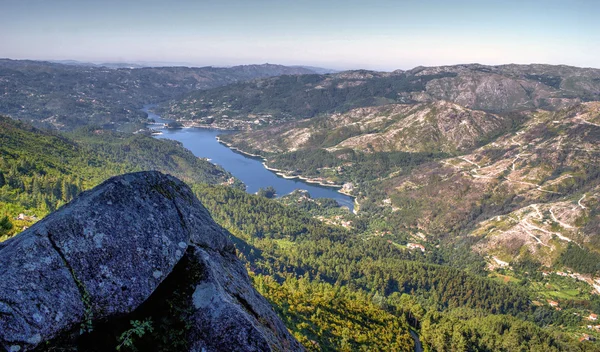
pixel 119 252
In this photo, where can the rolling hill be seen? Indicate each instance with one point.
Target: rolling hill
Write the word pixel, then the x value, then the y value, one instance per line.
pixel 67 96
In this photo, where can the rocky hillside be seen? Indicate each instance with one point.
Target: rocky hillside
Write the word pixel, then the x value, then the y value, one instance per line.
pixel 531 192
pixel 511 87
pixel 427 127
pixel 497 89
pixel 137 261
pixel 67 96
pixel 519 187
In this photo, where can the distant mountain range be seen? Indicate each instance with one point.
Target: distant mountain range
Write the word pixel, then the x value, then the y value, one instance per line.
pixel 496 89
pixel 141 64
pixel 67 96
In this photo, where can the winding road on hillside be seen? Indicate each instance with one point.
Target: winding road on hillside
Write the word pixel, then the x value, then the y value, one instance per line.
pixel 418 345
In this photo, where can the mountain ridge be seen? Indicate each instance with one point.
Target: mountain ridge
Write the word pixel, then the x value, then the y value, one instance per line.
pixel 67 96
pixel 494 89
pixel 539 159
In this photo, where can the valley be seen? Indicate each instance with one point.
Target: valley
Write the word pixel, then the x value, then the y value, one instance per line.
pixel 70 96
pixel 477 191
pixel 204 143
pixel 513 187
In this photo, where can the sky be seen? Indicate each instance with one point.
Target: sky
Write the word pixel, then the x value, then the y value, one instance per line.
pixel 348 34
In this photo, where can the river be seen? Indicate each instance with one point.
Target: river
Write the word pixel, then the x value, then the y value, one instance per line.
pixel 203 143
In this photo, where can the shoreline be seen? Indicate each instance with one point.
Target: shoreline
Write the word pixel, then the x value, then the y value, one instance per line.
pixel 356 206
pixel 228 145
pixel 282 173
pixel 187 126
pixel 305 179
pixel 278 172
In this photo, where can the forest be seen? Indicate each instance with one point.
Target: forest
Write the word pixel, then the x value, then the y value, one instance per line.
pixel 426 290
pixel 364 292
pixel 42 170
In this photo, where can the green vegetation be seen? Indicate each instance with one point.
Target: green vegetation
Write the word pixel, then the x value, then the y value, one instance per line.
pixel 466 330
pixel 5 226
pixel 335 318
pixel 267 192
pixel 317 207
pixel 348 165
pixel 580 260
pixel 70 96
pixel 303 96
pixel 332 260
pixel 138 329
pixel 44 170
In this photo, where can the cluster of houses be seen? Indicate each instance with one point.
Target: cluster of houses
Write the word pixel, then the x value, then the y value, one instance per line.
pixel 230 181
pixel 586 337
pixel 337 220
pixel 348 187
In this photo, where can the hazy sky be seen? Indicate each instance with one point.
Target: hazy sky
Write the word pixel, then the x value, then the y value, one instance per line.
pixel 376 34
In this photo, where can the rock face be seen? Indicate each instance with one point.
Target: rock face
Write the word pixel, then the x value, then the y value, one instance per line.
pixel 440 126
pixel 102 256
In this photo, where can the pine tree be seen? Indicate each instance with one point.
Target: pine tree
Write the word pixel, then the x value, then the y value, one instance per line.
pixel 35 187
pixel 65 191
pixel 5 225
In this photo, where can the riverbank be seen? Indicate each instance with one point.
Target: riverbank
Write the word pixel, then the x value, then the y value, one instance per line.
pixel 247 167
pixel 230 146
pixel 162 123
pixel 356 204
pixel 285 175
pixel 282 173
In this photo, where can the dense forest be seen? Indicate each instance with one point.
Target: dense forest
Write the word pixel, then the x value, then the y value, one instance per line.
pixel 41 170
pixel 283 246
pixel 363 291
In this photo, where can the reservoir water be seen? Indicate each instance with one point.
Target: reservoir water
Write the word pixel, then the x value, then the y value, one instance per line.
pixel 203 143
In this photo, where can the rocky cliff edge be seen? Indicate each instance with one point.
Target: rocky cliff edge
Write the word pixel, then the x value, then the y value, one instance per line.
pixel 139 248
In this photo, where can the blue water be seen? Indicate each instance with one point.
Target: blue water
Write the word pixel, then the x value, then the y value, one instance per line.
pixel 203 143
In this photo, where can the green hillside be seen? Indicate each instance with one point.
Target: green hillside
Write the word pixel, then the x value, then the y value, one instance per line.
pixel 41 170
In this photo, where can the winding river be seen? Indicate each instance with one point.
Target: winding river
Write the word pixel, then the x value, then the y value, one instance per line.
pixel 203 143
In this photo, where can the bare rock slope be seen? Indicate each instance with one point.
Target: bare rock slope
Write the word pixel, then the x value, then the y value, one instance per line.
pixel 440 126
pixel 139 246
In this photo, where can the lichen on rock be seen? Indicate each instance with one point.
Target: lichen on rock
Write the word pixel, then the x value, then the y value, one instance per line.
pixel 107 255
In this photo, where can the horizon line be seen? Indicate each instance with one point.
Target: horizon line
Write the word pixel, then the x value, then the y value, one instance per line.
pixel 165 64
